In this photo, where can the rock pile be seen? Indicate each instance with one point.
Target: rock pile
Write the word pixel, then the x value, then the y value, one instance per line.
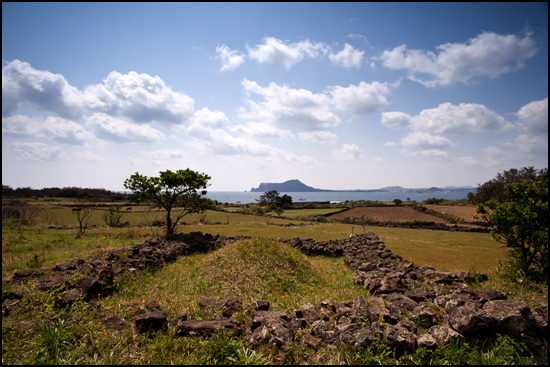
pixel 412 305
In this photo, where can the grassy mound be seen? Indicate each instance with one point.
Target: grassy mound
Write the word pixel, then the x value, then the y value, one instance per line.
pixel 256 269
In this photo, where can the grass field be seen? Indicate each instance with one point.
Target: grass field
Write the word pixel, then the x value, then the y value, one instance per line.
pixel 256 269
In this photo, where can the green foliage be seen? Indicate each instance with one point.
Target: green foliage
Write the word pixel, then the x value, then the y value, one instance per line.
pixel 113 216
pixel 273 200
pixel 434 201
pixel 183 188
pixel 522 224
pixel 495 188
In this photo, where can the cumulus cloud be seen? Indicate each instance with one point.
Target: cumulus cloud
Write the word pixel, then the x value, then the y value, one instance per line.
pixel 465 118
pixel 396 119
pixel 35 151
pixel 263 130
pixel 348 152
pixel 114 129
pixel 230 59
pixel 51 92
pixel 204 121
pixel 141 97
pixel 348 57
pixel 360 99
pixel 533 117
pixel 295 108
pixel 423 140
pixel 488 54
pixel 56 128
pixel 275 51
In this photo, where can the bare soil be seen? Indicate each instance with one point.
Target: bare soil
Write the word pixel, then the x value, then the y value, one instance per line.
pixel 394 214
pixel 463 211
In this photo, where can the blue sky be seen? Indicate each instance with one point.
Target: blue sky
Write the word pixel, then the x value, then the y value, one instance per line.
pixel 337 95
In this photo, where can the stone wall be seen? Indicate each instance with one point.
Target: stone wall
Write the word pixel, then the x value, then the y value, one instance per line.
pixel 411 305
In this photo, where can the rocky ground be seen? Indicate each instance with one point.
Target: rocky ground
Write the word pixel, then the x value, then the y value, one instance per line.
pixel 412 305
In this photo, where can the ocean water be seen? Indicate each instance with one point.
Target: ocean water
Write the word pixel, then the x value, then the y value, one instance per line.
pixel 242 197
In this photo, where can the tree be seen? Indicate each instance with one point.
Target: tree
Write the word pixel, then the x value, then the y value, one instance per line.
pixel 272 200
pixel 522 223
pixel 268 198
pixel 83 214
pixel 494 189
pixel 113 215
pixel 183 188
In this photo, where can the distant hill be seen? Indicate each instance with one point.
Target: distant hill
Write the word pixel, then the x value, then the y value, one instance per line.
pixel 298 186
pixel 287 186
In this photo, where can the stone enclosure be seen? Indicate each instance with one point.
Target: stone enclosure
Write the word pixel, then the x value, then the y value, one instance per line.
pixel 412 305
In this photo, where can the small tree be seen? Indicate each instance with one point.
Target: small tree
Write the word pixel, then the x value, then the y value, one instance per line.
pixel 522 223
pixel 169 190
pixel 83 214
pixel 268 198
pixel 113 215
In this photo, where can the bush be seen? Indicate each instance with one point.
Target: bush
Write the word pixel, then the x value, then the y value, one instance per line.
pixel 20 211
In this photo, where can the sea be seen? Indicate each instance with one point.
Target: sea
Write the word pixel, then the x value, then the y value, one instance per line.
pixel 247 197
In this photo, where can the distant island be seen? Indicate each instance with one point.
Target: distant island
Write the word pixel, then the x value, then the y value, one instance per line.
pixel 298 186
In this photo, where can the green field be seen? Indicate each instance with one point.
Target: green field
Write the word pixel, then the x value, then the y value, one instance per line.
pixel 256 269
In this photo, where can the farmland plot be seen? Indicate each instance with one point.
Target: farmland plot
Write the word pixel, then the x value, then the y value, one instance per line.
pixel 394 214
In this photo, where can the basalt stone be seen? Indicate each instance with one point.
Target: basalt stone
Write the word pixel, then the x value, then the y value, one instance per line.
pixel 507 317
pixel 231 306
pixel 396 336
pixel 467 322
pixel 356 334
pixel 444 335
pixel 485 295
pixel 69 297
pixel 259 306
pixel 152 321
pixel 541 318
pixel 275 332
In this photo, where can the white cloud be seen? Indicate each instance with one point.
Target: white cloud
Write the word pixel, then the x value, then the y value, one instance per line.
pixel 360 36
pixel 230 59
pixel 114 129
pixel 396 119
pixel 204 121
pixel 488 54
pixel 263 130
pixel 51 92
pixel 161 157
pixel 533 117
pixel 360 99
pixel 523 148
pixel 425 140
pixel 466 118
pixel 56 128
pixel 35 151
pixel 348 152
pixel 275 51
pixel 141 97
pixel 348 57
pixel 318 137
pixel 88 156
pixel 469 161
pixel 295 108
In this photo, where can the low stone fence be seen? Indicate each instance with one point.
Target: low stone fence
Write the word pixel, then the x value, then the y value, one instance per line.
pixel 412 305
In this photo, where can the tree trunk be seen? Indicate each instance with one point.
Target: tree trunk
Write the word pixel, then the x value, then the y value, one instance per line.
pixel 169 229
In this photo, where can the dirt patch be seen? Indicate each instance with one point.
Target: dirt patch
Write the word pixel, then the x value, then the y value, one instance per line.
pixel 463 211
pixel 394 214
